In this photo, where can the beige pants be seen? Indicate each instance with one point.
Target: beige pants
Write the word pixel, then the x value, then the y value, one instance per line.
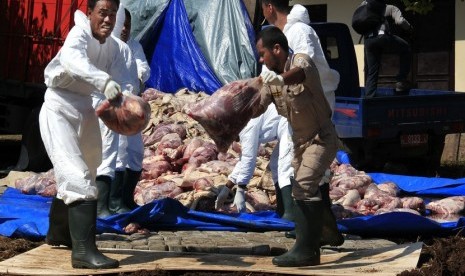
pixel 311 161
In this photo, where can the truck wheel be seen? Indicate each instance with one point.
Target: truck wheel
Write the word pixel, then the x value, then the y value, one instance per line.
pixel 33 156
pixel 362 155
pixel 354 149
pixel 436 147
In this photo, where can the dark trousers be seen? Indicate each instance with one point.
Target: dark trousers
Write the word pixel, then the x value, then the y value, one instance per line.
pixel 374 49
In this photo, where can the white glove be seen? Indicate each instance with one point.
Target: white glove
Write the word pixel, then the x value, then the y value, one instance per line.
pixel 112 90
pixel 239 200
pixel 221 198
pixel 271 78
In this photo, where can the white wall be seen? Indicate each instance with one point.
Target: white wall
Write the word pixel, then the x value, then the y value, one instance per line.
pixel 460 45
pixel 341 11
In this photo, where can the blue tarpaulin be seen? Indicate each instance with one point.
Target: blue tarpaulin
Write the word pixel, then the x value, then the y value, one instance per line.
pixel 24 215
pixel 196 44
pixel 177 61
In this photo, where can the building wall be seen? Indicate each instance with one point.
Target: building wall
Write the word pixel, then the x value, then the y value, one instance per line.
pixel 459 45
pixel 341 11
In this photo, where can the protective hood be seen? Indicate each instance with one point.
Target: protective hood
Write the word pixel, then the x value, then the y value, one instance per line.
pixel 80 19
pixel 298 14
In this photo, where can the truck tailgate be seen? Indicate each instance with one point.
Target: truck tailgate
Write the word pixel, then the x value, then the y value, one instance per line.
pixel 440 112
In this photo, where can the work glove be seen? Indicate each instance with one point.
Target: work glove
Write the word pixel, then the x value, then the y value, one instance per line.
pixel 271 78
pixel 112 90
pixel 239 200
pixel 222 197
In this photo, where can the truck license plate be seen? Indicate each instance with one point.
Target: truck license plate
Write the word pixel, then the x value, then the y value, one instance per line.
pixel 413 139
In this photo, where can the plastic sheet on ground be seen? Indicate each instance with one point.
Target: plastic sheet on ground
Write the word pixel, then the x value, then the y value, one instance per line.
pixel 26 216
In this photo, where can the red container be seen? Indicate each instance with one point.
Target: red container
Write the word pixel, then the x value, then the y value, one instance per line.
pixel 31 33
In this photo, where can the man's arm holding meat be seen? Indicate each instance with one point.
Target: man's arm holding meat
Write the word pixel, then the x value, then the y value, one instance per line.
pixel 76 62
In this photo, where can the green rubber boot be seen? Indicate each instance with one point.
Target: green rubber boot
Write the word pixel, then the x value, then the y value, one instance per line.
pixel 330 234
pixel 287 202
pixel 103 183
pixel 58 230
pixel 131 178
pixel 82 225
pixel 279 200
pixel 115 202
pixel 308 225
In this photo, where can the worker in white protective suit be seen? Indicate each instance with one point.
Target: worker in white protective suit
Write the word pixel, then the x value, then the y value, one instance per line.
pixel 131 148
pixel 266 128
pixel 106 170
pixel 302 38
pixel 89 61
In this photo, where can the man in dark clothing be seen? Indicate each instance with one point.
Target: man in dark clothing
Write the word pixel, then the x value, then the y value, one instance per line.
pixel 382 40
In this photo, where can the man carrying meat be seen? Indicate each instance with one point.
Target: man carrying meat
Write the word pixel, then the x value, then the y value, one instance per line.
pixel 266 128
pixel 89 61
pixel 294 86
pixel 131 148
pixel 302 38
pixel 110 139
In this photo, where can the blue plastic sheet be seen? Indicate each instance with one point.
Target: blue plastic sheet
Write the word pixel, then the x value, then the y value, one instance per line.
pixel 424 186
pixel 196 44
pixel 27 216
pixel 177 61
pixel 23 215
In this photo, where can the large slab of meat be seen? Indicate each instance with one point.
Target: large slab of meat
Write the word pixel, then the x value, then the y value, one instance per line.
pixel 127 116
pixel 227 111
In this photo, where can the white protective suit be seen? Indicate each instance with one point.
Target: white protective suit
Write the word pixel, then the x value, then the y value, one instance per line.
pixel 131 148
pixel 302 38
pixel 68 124
pixel 109 138
pixel 266 128
pixel 143 67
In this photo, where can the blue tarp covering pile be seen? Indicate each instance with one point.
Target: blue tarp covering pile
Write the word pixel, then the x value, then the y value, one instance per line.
pixel 197 44
pixel 27 216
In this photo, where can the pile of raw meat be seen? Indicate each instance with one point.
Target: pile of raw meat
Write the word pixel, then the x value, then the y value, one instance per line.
pixel 182 161
pixel 353 193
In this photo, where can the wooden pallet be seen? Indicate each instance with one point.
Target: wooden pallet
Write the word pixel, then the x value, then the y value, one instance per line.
pixel 46 260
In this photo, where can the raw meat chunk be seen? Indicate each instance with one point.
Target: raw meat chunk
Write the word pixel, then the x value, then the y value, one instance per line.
pixel 127 116
pixel 224 114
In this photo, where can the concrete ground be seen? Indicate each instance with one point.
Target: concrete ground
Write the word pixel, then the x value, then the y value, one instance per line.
pixel 224 242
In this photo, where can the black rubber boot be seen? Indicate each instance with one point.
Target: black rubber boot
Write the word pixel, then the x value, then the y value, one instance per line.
pixel 115 202
pixel 58 229
pixel 279 200
pixel 82 225
pixel 308 225
pixel 330 234
pixel 288 202
pixel 103 183
pixel 131 178
pixel 290 234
